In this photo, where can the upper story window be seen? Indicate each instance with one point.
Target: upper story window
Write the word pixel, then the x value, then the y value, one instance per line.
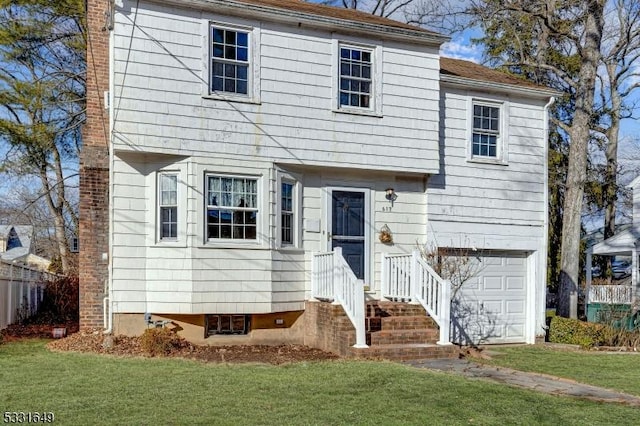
pixel 356 77
pixel 486 130
pixel 232 207
pixel 168 205
pixel 230 61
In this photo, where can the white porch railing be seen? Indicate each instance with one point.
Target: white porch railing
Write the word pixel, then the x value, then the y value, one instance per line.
pixel 408 277
pixel 333 279
pixel 611 294
pixel 21 291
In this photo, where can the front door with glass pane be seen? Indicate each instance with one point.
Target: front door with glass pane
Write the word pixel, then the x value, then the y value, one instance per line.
pixel 348 228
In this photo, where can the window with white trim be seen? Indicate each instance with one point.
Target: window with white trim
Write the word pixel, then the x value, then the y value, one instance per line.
pixel 485 141
pixel 232 207
pixel 168 205
pixel 287 217
pixel 355 77
pixel 230 63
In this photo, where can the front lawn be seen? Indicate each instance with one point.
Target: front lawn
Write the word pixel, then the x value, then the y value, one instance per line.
pixel 619 371
pixel 93 389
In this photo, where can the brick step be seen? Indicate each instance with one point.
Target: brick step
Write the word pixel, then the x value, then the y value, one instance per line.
pixel 389 309
pixel 387 337
pixel 416 322
pixel 405 352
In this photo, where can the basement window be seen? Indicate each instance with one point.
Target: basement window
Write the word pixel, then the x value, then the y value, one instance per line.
pixel 226 324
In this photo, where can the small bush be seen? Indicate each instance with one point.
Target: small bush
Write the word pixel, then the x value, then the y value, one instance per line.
pixel 61 301
pixel 161 341
pixel 576 332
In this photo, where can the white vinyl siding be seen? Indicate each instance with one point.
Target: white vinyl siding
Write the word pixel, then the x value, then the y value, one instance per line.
pixel 499 205
pixel 163 101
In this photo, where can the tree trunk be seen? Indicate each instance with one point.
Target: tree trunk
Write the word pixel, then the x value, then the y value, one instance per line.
pixel 577 170
pixel 611 187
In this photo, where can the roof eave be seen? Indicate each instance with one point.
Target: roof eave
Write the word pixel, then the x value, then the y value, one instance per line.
pixel 464 82
pixel 286 16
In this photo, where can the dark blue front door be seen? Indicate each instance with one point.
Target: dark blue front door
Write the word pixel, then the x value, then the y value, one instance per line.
pixel 348 226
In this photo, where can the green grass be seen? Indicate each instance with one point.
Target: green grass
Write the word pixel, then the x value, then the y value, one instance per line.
pixel 620 371
pixel 86 389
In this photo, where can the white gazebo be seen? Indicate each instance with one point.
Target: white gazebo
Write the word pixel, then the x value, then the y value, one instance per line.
pixel 624 243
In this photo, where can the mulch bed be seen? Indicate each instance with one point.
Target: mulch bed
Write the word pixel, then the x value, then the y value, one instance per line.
pixel 31 331
pixel 94 341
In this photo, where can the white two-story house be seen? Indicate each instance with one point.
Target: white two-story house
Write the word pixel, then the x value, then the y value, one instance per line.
pixel 248 138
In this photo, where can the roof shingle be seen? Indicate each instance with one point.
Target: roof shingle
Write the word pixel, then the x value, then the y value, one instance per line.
pixel 473 71
pixel 336 12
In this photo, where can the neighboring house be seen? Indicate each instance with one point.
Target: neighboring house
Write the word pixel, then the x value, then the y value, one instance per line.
pixel 625 244
pixel 250 140
pixel 15 246
pixel 13 237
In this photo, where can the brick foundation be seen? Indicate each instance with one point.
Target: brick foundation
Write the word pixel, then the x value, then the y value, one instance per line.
pixel 94 173
pixel 327 327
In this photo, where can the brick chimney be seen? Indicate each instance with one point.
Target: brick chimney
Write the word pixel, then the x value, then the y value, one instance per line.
pixel 94 171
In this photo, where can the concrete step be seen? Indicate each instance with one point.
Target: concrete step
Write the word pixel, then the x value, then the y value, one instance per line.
pixel 405 352
pixel 386 337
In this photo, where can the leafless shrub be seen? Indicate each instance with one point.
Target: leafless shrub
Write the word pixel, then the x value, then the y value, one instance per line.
pixel 458 265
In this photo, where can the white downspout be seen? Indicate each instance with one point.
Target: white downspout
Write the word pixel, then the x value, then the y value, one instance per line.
pixel 108 300
pixel 542 268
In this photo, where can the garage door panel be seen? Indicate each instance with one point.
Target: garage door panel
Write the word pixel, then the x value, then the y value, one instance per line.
pixel 514 331
pixel 491 307
pixel 518 261
pixel 492 283
pixel 491 260
pixel 472 285
pixel 515 307
pixel 514 283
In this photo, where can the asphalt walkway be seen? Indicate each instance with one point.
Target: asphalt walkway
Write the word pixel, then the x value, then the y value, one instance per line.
pixel 534 381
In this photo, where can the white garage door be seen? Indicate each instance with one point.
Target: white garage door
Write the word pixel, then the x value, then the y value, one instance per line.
pixel 491 305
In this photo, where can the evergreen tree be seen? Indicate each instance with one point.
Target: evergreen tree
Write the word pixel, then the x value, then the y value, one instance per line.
pixel 42 51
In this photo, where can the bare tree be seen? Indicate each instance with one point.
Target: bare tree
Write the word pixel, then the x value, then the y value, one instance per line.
pixel 554 42
pixel 457 265
pixel 619 78
pixel 42 47
pixel 437 15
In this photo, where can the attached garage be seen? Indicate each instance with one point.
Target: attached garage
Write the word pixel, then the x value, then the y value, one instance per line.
pixel 491 306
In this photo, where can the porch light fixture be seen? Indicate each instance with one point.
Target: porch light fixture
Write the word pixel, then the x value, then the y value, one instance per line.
pixel 391 194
